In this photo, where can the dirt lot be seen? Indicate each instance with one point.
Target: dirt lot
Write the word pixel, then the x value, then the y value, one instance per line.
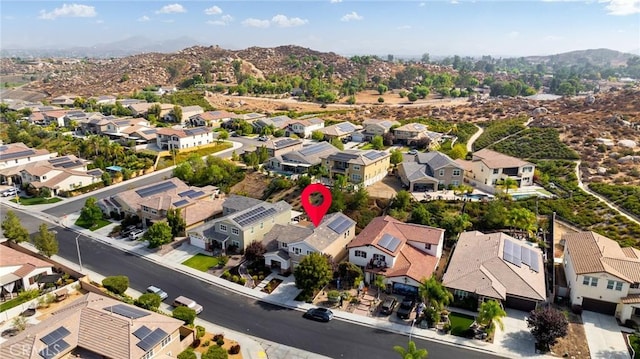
pixel 559 230
pixel 208 337
pixel 575 343
pixel 387 188
pixel 252 186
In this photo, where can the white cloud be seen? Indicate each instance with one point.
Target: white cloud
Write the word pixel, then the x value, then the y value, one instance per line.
pixel 171 9
pixel 251 22
pixel 404 27
pixel 72 10
pixel 143 18
pixel 283 21
pixel 513 34
pixel 454 2
pixel 622 7
pixel 335 1
pixel 422 4
pixel 351 16
pixel 223 21
pixel 214 10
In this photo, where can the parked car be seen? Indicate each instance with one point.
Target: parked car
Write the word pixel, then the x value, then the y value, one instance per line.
pixel 155 290
pixel 406 307
pixel 136 234
pixel 189 303
pixel 263 138
pixel 413 152
pixel 388 305
pixel 321 314
pixel 9 192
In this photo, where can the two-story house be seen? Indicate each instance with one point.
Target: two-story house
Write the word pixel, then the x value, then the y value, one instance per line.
pixel 60 174
pixel 339 130
pixel 376 127
pixel 20 271
pixel 187 113
pixel 54 117
pixel 97 326
pixel 280 146
pixel 358 167
pixel 404 253
pixel 300 161
pixel 210 118
pixel 430 171
pixel 303 128
pixel 288 244
pixel 151 203
pixel 141 109
pixel 602 276
pixel 240 225
pixel 489 168
pixel 15 154
pixel 499 267
pixel 172 138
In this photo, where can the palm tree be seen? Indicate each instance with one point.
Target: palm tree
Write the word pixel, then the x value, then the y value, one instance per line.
pixel 507 183
pixel 434 293
pixel 379 283
pixel 411 352
pixel 491 311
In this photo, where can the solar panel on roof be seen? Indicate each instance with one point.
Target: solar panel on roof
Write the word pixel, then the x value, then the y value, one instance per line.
pixel 389 242
pixel 152 339
pixel 142 332
pixel 148 132
pixel 180 203
pixel 254 215
pixel 313 149
pixel 512 253
pixel 372 155
pixel 186 193
pixel 345 126
pixel 55 335
pixel 126 311
pixel 340 224
pixel 160 187
pixel 534 262
pixel 16 154
pixel 58 159
pixel 54 349
pixel 195 194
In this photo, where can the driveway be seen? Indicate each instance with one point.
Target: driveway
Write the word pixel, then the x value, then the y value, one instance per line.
pixel 516 338
pixel 604 336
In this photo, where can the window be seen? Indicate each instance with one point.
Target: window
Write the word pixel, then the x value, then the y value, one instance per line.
pixel 441 173
pixel 166 341
pixel 356 178
pixel 358 253
pixel 296 250
pixel 455 183
pixel 526 169
pixel 148 355
pixel 356 168
pixel 235 243
pixel 378 257
pixel 460 293
pixel 619 286
pixel 427 246
pixel 610 284
pixel 223 227
pixel 592 281
pixel 283 245
pixel 235 231
pixel 496 171
pixel 635 285
pixel 456 173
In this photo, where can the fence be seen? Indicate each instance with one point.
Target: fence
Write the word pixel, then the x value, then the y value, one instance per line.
pixel 33 303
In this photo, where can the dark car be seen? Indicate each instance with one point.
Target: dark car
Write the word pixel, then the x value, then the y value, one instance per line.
pixel 321 314
pixel 406 307
pixel 387 307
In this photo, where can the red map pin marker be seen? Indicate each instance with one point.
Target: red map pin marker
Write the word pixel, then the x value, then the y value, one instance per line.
pixel 316 212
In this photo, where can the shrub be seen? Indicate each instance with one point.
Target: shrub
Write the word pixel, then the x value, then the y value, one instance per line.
pixel 188 315
pixel 215 353
pixel 235 278
pixel 196 343
pixel 242 281
pixel 149 301
pixel 235 349
pixel 207 343
pixel 200 331
pixel 226 275
pixel 218 337
pixel 333 296
pixel 117 284
pixel 220 342
pixel 187 354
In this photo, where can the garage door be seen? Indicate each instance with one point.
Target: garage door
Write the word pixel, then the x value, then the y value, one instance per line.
pixel 422 187
pixel 520 304
pixel 599 306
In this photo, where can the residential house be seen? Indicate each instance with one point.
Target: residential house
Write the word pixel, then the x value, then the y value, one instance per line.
pixel 125 102
pixel 171 138
pixel 106 100
pixel 278 122
pixel 151 203
pixel 250 117
pixel 60 174
pixel 97 326
pixel 489 167
pixel 404 253
pixel 187 112
pixel 301 160
pixel 303 128
pixel 376 127
pixel 165 90
pixel 414 133
pixel 496 266
pixel 95 123
pixel 280 146
pixel 287 244
pixel 20 271
pixel 430 171
pixel 115 127
pixel 141 109
pixel 140 134
pixel 602 276
pixel 15 154
pixel 243 222
pixel 64 100
pixel 340 130
pixel 358 167
pixel 210 118
pixel 54 117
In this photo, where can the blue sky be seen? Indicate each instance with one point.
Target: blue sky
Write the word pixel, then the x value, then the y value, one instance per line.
pixel 480 27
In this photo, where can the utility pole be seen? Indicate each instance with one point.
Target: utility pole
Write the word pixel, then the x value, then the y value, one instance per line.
pixel 79 258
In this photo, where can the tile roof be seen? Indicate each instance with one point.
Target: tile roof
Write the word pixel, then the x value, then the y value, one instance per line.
pixel 477 266
pixel 412 127
pixel 591 252
pixel 436 160
pixel 413 171
pixel 340 129
pixel 93 327
pixel 10 257
pixel 493 159
pixel 358 157
pixel 374 231
pixel 413 263
pixel 631 299
pixel 19 150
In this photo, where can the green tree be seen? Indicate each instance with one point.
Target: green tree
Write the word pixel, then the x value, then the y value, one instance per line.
pixel 176 222
pixel 382 88
pixel 402 201
pixel 12 228
pixel 507 183
pixel 377 142
pixel 158 234
pixel 313 273
pixel 434 293
pixel 106 179
pixel 350 274
pixel 303 182
pixel 379 283
pixel 185 314
pixel 117 284
pixel 360 199
pixel 223 135
pixel 215 352
pixel 491 311
pixel 412 97
pixel 91 212
pixel 188 354
pixel 522 218
pixel 149 301
pixel 177 113
pixel 45 241
pixel 317 136
pixel 380 99
pixel 458 151
pixel 547 324
pixel 411 352
pixel 396 157
pixel 337 143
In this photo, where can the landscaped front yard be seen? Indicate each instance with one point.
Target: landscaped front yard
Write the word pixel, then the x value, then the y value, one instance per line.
pixel 87 225
pixel 36 200
pixel 460 323
pixel 201 262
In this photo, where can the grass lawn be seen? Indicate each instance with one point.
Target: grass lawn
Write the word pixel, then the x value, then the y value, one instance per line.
pixel 366 146
pixel 201 152
pixel 101 223
pixel 459 323
pixel 201 262
pixel 14 302
pixel 36 200
pixel 635 344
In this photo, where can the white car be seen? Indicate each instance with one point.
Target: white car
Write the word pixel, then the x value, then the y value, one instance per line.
pixel 189 303
pixel 155 290
pixel 9 192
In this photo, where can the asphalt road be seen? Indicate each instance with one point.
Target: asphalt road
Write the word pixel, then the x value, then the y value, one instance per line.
pixel 336 339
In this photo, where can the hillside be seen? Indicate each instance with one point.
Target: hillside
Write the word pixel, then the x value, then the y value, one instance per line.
pixel 598 57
